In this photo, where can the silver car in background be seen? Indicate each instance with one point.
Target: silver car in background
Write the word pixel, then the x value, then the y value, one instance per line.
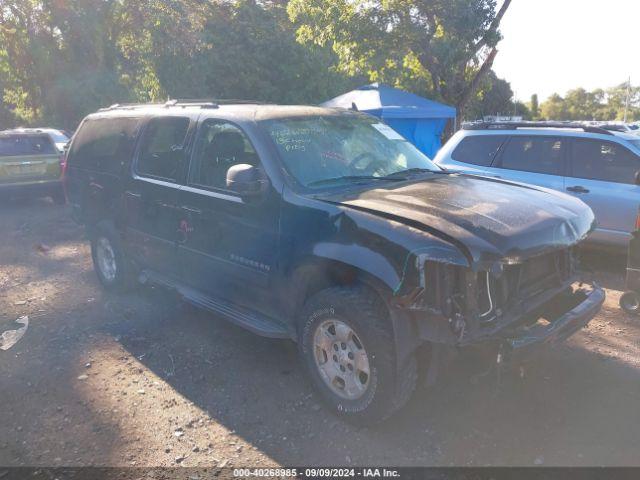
pixel 600 167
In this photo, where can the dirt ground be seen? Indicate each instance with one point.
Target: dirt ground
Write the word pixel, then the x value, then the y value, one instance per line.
pixel 141 379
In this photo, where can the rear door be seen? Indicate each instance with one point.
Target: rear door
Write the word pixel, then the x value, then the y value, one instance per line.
pixel 535 159
pixel 97 160
pixel 28 158
pixel 152 214
pixel 602 174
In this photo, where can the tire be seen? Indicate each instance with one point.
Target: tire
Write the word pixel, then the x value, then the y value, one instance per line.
pixel 363 398
pixel 110 262
pixel 630 303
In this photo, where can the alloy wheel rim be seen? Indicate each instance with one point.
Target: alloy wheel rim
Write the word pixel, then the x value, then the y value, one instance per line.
pixel 106 259
pixel 341 359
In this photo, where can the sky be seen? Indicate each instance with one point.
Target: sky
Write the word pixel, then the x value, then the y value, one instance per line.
pixel 551 46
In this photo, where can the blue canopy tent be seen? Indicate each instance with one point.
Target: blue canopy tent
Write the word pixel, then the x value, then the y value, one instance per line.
pixel 419 120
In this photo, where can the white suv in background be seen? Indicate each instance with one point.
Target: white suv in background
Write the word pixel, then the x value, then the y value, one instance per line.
pixel 598 166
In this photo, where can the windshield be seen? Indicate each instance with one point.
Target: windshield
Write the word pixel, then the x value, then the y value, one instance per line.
pixel 340 149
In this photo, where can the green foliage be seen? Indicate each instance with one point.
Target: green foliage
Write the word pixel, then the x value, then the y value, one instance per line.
pixel 442 48
pixel 249 52
pixel 494 97
pixel 534 107
pixel 60 60
pixel 599 104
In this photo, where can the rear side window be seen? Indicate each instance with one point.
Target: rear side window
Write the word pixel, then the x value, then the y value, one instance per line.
pixel 534 154
pixel 14 145
pixel 603 160
pixel 104 144
pixel 162 147
pixel 478 149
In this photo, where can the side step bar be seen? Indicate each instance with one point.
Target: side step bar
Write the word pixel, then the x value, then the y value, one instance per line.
pixel 243 317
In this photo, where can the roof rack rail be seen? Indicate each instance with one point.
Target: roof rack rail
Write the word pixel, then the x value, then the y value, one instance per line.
pixel 185 102
pixel 116 106
pixel 217 101
pixel 516 125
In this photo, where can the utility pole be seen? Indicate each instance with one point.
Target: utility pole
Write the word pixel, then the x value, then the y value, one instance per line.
pixel 626 103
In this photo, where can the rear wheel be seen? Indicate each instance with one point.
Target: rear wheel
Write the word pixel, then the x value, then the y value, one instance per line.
pixel 109 259
pixel 347 343
pixel 630 303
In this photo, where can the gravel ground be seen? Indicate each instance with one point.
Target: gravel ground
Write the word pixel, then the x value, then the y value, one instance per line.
pixel 142 379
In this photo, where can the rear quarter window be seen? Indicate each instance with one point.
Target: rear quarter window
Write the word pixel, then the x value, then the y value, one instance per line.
pixel 104 144
pixel 478 149
pixel 25 145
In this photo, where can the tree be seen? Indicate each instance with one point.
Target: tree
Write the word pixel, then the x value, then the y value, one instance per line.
pixel 534 107
pixel 60 60
pixel 249 51
pixel 446 46
pixel 580 104
pixel 494 97
pixel 554 108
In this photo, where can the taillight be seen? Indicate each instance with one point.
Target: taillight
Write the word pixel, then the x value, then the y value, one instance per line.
pixel 638 221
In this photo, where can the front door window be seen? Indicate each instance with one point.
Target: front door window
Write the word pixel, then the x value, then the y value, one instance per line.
pixel 220 146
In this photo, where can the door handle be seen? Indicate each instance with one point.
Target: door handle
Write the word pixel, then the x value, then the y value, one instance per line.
pixel 195 211
pixel 133 194
pixel 578 189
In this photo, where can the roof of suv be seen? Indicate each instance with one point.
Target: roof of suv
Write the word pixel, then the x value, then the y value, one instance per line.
pixel 248 111
pixel 32 130
pixel 567 126
pixel 559 128
pixel 32 133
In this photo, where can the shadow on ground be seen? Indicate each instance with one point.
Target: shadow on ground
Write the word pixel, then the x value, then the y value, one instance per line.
pixel 167 384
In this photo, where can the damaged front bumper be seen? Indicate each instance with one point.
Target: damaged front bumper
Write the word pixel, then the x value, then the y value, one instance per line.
pixel 524 337
pixel 513 344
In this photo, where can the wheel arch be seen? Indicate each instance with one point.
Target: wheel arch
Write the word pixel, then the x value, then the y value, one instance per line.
pixel 318 273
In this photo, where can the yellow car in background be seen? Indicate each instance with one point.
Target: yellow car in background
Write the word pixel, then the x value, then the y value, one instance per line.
pixel 31 165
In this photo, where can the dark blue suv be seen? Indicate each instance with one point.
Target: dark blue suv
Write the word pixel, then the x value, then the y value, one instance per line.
pixel 326 227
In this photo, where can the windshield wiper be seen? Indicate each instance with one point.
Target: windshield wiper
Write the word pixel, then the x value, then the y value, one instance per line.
pixel 348 178
pixel 410 171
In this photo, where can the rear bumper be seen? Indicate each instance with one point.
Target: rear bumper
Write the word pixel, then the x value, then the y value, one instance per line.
pixel 525 338
pixel 36 188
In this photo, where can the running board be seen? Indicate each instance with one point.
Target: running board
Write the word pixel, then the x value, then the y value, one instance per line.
pixel 243 317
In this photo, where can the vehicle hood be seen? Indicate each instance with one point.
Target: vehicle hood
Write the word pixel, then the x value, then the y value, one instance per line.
pixel 488 219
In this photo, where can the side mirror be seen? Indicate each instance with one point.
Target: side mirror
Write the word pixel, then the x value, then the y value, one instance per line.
pixel 246 180
pixel 637 177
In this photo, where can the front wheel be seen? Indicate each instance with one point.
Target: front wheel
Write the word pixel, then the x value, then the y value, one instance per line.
pixel 347 344
pixel 109 259
pixel 630 303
